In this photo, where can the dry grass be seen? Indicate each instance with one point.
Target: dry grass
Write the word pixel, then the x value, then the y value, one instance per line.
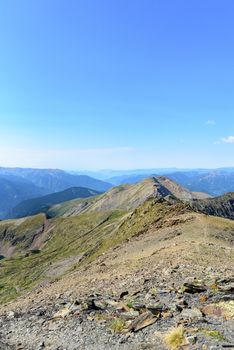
pixel 175 338
pixel 203 299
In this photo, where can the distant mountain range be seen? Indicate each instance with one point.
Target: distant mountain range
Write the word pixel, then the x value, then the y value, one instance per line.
pixel 14 190
pixel 128 197
pixel 214 182
pixel 108 174
pixel 42 204
pixel 19 184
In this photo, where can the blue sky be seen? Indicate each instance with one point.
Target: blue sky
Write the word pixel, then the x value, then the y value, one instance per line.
pixel 92 84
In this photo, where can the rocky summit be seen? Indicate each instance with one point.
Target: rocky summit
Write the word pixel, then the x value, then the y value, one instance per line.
pixel 143 266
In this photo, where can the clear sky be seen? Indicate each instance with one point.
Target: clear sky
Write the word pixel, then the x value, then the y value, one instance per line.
pixel 91 84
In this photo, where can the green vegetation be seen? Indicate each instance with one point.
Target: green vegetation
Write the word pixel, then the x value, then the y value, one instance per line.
pixel 117 325
pixel 88 235
pixel 214 334
pixel 130 302
pixel 69 237
pixel 72 207
pixel 42 204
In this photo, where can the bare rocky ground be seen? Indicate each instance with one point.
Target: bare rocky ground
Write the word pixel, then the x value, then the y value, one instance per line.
pixel 132 296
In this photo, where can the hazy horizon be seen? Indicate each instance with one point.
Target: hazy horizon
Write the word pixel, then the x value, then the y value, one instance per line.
pixel 122 170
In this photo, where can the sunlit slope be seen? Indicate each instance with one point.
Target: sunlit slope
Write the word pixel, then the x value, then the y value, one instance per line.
pixel 76 233
pixel 124 197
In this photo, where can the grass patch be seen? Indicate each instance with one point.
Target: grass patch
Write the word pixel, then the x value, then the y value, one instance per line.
pixel 118 325
pixel 130 302
pixel 214 334
pixel 175 338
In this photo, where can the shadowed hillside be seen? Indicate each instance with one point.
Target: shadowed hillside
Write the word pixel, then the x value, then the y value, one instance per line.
pixel 42 204
pixel 218 206
pixel 19 184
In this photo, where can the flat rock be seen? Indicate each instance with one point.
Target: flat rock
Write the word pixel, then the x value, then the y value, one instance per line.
pixel 193 288
pixel 62 313
pixel 191 313
pixel 156 309
pixel 130 315
pixel 222 309
pixel 144 320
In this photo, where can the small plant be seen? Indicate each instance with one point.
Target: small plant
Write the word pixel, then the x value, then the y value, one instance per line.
pixel 214 286
pixel 175 338
pixel 117 325
pixel 130 303
pixel 203 299
pixel 101 317
pixel 154 291
pixel 214 334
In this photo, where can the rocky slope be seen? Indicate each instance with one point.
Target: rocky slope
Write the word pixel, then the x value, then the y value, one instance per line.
pixel 121 274
pixel 219 206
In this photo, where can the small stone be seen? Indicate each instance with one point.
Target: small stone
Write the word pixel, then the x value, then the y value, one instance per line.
pixel 124 338
pixel 183 303
pixel 144 320
pixel 121 306
pixel 11 314
pixel 221 309
pixel 62 313
pixel 156 309
pixel 191 313
pixel 99 304
pixel 112 303
pixel 193 288
pixel 228 289
pixel 179 308
pixel 138 307
pixel 148 296
pixel 192 339
pixel 130 315
pixel 123 294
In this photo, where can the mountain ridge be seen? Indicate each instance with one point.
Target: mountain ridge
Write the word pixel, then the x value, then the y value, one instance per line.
pixel 18 184
pixel 42 204
pixel 213 182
